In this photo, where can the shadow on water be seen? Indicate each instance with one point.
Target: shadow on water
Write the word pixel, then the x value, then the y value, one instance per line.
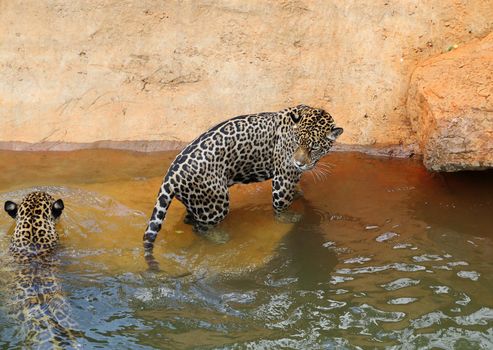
pixel 308 261
pixel 458 201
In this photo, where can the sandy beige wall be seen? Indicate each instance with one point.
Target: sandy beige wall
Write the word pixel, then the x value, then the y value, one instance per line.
pixel 85 71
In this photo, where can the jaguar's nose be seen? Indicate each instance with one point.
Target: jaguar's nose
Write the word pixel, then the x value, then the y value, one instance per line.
pixel 298 163
pixel 301 157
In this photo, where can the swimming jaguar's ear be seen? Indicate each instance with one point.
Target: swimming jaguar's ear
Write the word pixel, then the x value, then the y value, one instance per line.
pixel 335 133
pixel 57 208
pixel 11 208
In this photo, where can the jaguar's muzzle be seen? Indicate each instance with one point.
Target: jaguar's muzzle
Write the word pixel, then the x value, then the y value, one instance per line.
pixel 302 160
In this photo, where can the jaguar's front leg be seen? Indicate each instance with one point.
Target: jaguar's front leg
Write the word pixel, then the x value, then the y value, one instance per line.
pixel 284 191
pixel 298 191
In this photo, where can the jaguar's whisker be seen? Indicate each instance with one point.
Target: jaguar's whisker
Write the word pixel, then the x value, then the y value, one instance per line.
pixel 326 170
pixel 325 166
pixel 319 174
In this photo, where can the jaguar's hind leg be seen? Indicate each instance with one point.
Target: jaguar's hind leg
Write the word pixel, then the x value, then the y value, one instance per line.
pixel 207 212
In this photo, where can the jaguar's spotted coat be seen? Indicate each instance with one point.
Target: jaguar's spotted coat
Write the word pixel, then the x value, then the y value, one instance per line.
pixel 250 148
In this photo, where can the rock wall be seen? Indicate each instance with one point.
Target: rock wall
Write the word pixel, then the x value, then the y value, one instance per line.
pixel 450 105
pixel 78 72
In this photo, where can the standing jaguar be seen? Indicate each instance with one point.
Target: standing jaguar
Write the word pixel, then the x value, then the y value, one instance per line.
pixel 249 148
pixel 36 297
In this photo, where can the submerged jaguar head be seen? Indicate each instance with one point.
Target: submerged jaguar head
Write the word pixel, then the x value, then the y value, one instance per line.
pixel 35 216
pixel 315 133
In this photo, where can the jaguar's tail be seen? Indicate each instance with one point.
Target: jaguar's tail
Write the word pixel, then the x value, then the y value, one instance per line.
pixel 163 201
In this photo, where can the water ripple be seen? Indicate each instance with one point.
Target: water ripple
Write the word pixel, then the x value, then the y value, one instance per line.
pixel 366 316
pixel 373 269
pixel 440 289
pixel 483 316
pixel 428 319
pixel 386 236
pixel 400 283
pixel 427 257
pixel 357 260
pixel 472 275
pixel 402 301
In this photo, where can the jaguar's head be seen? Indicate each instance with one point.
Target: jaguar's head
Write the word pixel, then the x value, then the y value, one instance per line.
pixel 315 133
pixel 34 233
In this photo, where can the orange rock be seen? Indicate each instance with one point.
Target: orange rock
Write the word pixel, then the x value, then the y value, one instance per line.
pixel 451 108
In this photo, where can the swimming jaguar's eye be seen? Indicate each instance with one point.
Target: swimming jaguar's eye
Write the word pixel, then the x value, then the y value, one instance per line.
pixel 315 146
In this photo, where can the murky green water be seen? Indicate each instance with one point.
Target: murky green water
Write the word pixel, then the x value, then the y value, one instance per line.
pixel 387 255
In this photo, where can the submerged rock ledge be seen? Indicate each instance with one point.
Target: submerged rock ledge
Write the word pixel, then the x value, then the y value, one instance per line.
pixel 399 151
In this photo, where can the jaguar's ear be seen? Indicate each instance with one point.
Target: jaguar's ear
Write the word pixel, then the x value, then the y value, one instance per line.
pixel 11 208
pixel 335 133
pixel 57 208
pixel 297 113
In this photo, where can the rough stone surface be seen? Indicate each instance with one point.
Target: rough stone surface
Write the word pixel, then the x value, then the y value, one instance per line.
pixel 451 108
pixel 78 72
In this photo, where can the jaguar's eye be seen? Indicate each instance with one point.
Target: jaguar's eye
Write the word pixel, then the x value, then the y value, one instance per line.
pixel 315 146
